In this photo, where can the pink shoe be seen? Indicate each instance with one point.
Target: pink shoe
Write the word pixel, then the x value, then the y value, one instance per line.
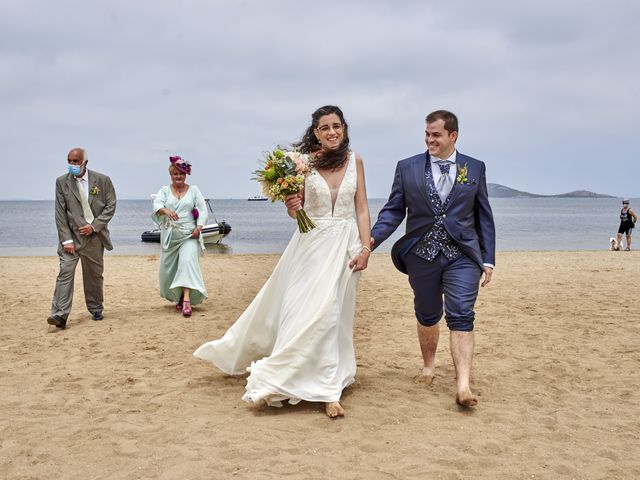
pixel 186 308
pixel 179 304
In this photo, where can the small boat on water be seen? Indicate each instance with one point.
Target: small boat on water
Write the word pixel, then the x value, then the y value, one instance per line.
pixel 211 233
pixel 257 198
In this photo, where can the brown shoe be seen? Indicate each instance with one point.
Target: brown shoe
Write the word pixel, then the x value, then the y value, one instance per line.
pixel 59 322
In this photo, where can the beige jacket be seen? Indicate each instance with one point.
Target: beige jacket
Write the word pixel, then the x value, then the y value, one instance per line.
pixel 69 216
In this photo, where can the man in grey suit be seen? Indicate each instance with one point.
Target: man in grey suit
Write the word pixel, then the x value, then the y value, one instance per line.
pixel 85 203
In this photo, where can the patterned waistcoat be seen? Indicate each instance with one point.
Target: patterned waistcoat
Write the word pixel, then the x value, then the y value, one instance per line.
pixel 436 239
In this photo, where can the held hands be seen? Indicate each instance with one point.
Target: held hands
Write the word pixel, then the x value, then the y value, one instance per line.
pixel 488 271
pixel 361 261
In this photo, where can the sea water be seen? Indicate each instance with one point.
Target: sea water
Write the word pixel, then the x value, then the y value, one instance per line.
pixel 28 227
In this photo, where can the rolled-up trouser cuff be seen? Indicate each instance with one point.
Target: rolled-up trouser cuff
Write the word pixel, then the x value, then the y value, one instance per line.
pixel 460 324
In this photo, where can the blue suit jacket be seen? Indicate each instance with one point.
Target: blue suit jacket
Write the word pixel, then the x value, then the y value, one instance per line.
pixel 468 217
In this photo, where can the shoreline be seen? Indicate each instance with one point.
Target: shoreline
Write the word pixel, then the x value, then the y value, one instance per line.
pixel 555 370
pixel 213 252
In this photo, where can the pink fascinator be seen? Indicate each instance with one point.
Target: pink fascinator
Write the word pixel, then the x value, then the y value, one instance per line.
pixel 181 164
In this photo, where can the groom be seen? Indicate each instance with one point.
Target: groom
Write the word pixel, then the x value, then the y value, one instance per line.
pixel 449 242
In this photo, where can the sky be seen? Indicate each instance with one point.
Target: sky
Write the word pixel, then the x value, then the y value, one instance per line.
pixel 547 92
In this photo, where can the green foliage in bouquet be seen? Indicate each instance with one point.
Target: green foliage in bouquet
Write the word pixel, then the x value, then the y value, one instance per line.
pixel 283 173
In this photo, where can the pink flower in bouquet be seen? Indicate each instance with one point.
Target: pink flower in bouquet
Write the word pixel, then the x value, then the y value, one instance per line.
pixel 302 166
pixel 301 162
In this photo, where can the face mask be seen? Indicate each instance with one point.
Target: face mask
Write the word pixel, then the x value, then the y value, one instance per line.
pixel 74 169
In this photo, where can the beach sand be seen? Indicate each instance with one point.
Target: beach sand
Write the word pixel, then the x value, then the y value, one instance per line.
pixel 556 370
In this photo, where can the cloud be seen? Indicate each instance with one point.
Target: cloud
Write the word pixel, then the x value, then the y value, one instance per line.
pixel 547 92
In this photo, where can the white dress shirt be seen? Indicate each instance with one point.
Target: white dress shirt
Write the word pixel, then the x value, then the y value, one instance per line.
pixel 435 168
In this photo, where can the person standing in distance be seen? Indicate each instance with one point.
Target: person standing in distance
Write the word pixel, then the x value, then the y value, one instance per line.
pixel 449 243
pixel 85 204
pixel 628 220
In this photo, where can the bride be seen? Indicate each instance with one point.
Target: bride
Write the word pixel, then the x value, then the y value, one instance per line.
pixel 296 336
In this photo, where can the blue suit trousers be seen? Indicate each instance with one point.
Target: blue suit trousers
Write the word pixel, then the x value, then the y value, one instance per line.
pixel 457 280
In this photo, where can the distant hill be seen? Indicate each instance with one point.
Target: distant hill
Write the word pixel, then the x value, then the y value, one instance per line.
pixel 583 194
pixel 500 191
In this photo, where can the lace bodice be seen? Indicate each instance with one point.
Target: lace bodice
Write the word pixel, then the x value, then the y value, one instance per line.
pixel 318 199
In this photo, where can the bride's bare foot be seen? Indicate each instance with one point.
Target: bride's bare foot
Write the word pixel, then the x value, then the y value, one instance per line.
pixel 334 410
pixel 425 376
pixel 466 399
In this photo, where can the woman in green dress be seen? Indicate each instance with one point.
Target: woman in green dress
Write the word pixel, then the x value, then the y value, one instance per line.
pixel 180 211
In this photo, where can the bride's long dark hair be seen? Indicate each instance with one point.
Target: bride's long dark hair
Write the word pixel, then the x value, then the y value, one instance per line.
pixel 309 143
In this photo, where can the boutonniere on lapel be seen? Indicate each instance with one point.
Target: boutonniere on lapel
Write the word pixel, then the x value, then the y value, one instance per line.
pixel 462 174
pixel 94 190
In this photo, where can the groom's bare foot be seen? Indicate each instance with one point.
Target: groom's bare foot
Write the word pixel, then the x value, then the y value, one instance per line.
pixel 425 376
pixel 334 410
pixel 466 399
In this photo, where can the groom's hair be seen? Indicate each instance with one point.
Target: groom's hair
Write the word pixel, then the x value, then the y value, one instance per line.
pixel 450 120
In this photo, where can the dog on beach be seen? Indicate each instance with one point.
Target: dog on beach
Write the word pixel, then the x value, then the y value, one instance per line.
pixel 613 245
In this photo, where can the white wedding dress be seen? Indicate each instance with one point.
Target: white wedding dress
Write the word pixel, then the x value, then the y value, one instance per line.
pixel 296 336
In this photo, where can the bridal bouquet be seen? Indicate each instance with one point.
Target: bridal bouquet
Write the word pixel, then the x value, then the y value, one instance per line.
pixel 283 173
